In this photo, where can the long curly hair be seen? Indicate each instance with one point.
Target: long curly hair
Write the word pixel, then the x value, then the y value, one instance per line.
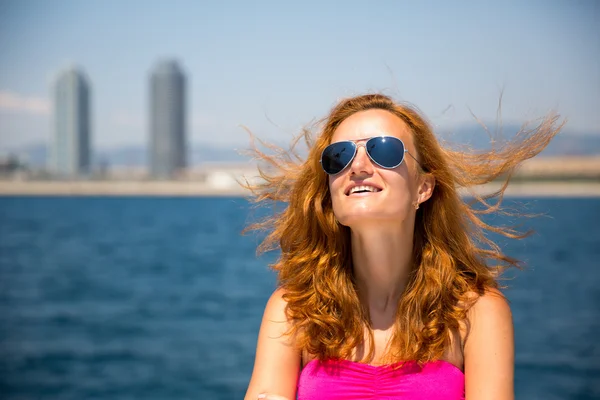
pixel 453 258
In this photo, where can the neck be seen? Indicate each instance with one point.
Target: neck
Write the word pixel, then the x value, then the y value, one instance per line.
pixel 382 260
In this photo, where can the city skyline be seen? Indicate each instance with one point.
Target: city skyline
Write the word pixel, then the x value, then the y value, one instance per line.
pixel 71 152
pixel 167 118
pixel 274 67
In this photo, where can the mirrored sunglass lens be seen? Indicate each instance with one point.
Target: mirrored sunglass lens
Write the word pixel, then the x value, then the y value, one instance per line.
pixel 337 156
pixel 386 151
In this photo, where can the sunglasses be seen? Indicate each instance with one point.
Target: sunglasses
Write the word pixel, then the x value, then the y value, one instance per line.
pixel 385 151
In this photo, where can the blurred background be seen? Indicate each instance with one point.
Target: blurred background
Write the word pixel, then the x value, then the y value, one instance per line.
pixel 123 273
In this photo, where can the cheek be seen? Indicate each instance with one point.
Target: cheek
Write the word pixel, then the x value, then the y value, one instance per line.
pixel 400 182
pixel 335 184
pixel 335 191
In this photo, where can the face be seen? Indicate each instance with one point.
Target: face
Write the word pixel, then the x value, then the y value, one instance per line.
pixel 391 192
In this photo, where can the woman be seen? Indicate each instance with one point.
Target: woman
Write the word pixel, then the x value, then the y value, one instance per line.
pixel 385 290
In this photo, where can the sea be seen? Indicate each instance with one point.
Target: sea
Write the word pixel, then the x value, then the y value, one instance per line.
pixel 161 298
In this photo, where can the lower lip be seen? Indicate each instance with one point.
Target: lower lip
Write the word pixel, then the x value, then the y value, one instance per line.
pixel 363 194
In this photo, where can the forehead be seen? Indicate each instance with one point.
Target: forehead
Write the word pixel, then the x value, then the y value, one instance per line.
pixel 366 124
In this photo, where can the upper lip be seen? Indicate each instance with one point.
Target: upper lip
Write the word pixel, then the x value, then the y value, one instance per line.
pixel 354 184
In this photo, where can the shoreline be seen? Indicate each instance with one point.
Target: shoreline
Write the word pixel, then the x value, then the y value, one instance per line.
pixel 204 189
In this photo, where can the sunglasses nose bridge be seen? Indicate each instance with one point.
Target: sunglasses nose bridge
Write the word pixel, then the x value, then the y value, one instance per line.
pixel 361 161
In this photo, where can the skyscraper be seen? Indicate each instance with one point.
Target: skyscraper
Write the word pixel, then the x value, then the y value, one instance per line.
pixel 71 144
pixel 167 120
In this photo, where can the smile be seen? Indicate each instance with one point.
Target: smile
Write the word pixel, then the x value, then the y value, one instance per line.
pixel 362 189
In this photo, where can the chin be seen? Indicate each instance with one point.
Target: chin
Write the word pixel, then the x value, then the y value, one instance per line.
pixel 367 212
pixel 364 218
pixel 360 211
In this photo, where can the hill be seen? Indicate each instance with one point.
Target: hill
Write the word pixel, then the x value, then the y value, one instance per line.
pixel 565 144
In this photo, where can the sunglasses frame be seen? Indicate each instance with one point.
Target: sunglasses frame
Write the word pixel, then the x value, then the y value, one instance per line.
pixel 356 146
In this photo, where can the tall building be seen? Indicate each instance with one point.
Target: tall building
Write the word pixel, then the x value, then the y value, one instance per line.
pixel 167 120
pixel 71 145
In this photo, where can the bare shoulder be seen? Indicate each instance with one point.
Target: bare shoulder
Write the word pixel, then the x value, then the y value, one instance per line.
pixel 491 307
pixel 277 304
pixel 277 361
pixel 275 321
pixel 489 313
pixel 489 348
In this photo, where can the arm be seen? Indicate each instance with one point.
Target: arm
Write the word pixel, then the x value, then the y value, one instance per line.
pixel 277 362
pixel 489 349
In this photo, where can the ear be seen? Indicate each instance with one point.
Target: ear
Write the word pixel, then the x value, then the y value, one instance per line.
pixel 426 186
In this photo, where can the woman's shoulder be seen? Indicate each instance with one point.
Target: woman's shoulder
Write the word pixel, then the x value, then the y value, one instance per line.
pixel 275 310
pixel 488 347
pixel 491 297
pixel 277 299
pixel 489 306
pixel 488 314
pixel 275 327
pixel 277 362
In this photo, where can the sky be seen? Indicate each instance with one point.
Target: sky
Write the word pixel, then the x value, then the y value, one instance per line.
pixel 275 66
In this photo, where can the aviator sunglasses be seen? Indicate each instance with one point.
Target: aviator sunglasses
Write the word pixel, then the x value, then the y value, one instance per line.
pixel 385 151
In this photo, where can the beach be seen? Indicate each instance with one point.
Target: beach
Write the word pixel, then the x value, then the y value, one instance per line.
pixel 566 176
pixel 206 189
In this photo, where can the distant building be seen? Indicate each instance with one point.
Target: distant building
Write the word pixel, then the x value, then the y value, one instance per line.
pixel 167 120
pixel 70 153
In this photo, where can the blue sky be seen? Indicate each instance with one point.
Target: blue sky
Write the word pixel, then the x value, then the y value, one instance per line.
pixel 275 65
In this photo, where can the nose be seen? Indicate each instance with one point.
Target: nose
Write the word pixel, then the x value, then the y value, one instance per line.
pixel 362 164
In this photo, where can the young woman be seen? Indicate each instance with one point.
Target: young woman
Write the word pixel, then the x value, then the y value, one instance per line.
pixel 387 284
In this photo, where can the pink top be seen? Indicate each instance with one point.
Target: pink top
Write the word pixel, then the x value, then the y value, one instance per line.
pixel 345 379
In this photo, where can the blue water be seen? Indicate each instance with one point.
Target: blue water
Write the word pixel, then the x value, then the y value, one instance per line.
pixel 161 298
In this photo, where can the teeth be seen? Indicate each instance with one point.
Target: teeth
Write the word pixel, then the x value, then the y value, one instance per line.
pixel 364 188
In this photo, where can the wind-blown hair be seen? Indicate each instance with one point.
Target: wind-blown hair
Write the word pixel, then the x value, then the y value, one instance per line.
pixel 454 261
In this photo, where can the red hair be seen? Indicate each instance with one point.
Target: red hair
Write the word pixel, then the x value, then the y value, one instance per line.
pixel 451 251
